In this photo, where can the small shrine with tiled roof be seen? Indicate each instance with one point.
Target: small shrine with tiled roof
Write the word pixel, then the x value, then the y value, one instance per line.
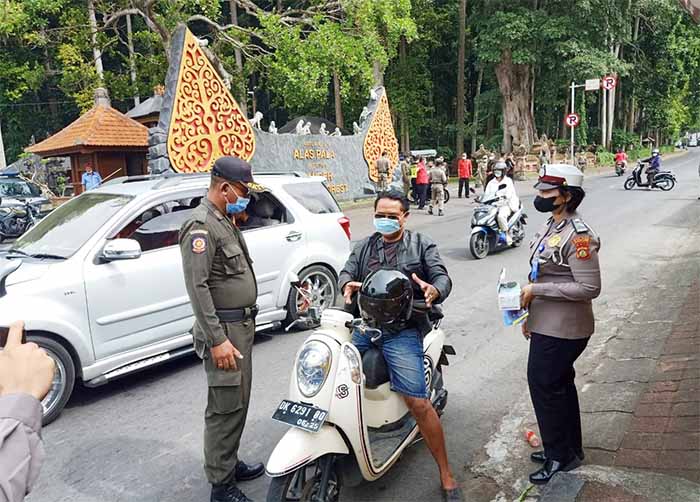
pixel 114 144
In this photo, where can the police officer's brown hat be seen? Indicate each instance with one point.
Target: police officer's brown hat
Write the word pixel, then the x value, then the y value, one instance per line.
pixel 236 170
pixel 559 175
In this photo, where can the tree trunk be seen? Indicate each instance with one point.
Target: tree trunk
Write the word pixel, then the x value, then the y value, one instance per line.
pixel 280 7
pixel 339 121
pixel 475 127
pixel 132 62
pixel 404 135
pixel 242 90
pixel 3 162
pixel 96 53
pixel 459 140
pixel 611 100
pixel 633 100
pixel 563 131
pixel 378 73
pixel 516 91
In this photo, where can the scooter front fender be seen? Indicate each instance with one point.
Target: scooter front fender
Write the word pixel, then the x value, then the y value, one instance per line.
pixel 298 448
pixel 478 229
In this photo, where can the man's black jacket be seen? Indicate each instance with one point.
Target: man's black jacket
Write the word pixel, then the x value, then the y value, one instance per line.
pixel 416 254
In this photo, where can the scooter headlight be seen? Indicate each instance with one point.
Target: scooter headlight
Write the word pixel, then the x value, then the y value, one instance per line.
pixel 313 366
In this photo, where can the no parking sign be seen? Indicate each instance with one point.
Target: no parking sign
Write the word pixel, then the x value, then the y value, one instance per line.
pixel 572 119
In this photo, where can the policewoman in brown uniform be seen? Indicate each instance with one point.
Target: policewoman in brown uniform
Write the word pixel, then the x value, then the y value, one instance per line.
pixel 222 289
pixel 564 278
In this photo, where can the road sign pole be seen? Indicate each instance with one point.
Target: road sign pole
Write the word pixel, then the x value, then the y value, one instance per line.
pixel 573 111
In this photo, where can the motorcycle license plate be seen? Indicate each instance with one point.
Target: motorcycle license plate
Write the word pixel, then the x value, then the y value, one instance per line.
pixel 300 415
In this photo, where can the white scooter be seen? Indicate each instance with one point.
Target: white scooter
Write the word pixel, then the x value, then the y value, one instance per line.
pixel 347 424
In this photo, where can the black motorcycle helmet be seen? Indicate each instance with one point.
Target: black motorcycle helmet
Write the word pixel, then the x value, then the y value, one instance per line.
pixel 386 298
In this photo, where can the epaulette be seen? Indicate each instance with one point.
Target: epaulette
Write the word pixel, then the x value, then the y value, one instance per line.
pixel 580 226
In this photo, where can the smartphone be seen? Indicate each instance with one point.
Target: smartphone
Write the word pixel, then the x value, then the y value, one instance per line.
pixel 4 332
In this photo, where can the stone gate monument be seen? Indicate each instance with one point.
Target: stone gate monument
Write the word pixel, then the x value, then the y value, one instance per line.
pixel 201 121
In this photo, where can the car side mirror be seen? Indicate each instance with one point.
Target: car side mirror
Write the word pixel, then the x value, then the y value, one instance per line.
pixel 121 249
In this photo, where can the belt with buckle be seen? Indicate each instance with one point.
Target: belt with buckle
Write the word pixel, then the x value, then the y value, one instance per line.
pixel 235 315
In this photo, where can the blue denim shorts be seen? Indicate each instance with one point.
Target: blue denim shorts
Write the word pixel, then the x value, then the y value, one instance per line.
pixel 403 353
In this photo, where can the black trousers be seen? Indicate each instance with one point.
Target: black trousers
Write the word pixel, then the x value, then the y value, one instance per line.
pixel 422 191
pixel 462 183
pixel 550 376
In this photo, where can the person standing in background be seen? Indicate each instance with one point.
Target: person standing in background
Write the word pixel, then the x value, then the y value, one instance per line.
pixel 422 184
pixel 464 171
pixel 383 167
pixel 405 174
pixel 91 179
pixel 438 179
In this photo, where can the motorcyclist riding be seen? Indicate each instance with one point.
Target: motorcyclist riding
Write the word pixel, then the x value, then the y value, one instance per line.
pixel 621 158
pixel 393 247
pixel 509 202
pixel 654 165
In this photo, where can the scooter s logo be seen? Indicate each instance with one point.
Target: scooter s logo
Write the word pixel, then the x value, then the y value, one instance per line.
pixel 342 391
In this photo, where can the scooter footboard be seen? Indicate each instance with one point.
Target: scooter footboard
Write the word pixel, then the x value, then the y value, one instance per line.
pixel 298 448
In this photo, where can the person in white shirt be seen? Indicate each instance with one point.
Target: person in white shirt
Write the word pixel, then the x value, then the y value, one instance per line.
pixel 502 186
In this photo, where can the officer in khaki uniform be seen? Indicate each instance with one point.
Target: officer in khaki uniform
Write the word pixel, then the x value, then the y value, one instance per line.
pixel 438 180
pixel 221 285
pixel 564 279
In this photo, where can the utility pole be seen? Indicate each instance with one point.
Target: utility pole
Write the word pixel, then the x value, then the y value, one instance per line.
pixel 604 119
pixel 573 110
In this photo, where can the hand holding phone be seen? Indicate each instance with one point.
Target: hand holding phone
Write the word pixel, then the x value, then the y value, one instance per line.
pixel 24 367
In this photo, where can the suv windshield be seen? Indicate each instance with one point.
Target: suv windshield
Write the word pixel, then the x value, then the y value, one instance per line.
pixel 67 228
pixel 18 188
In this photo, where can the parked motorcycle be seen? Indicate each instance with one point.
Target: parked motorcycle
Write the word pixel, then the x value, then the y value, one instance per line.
pixel 15 219
pixel 619 168
pixel 347 425
pixel 486 235
pixel 413 195
pixel 665 180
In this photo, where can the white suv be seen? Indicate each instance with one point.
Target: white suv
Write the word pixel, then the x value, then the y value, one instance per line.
pixel 101 312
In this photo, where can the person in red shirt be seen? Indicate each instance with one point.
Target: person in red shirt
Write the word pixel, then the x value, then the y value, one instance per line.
pixel 621 157
pixel 422 184
pixel 464 170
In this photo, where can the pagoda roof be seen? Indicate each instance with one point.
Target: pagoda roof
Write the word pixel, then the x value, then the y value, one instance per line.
pixel 100 128
pixel 151 106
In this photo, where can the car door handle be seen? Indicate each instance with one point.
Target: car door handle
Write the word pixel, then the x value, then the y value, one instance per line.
pixel 293 236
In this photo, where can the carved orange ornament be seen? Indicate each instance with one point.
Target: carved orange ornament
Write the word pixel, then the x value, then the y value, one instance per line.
pixel 206 121
pixel 380 137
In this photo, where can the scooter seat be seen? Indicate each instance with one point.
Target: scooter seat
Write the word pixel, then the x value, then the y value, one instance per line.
pixel 374 367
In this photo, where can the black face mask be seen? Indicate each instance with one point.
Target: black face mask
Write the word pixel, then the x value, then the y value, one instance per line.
pixel 545 204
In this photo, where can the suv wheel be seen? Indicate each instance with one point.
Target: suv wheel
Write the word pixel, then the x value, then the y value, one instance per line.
pixel 63 380
pixel 321 290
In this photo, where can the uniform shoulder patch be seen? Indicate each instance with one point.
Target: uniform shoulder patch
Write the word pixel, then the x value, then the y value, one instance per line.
pixel 583 247
pixel 199 243
pixel 579 226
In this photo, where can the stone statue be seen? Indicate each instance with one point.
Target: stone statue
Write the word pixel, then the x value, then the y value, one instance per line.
pixel 519 154
pixel 373 96
pixel 545 149
pixel 364 115
pixel 299 129
pixel 273 127
pixel 255 121
pixel 356 129
pixel 337 132
pixel 322 131
pixel 306 129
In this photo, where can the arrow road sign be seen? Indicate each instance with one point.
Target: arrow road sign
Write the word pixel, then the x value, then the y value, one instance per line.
pixel 609 82
pixel 572 119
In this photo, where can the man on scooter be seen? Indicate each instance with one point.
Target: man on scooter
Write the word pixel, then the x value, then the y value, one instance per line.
pixel 509 202
pixel 621 158
pixel 654 165
pixel 416 256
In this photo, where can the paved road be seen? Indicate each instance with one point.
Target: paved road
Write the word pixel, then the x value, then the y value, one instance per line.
pixel 140 439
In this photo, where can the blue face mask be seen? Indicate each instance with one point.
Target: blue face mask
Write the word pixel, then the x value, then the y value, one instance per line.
pixel 237 207
pixel 386 226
